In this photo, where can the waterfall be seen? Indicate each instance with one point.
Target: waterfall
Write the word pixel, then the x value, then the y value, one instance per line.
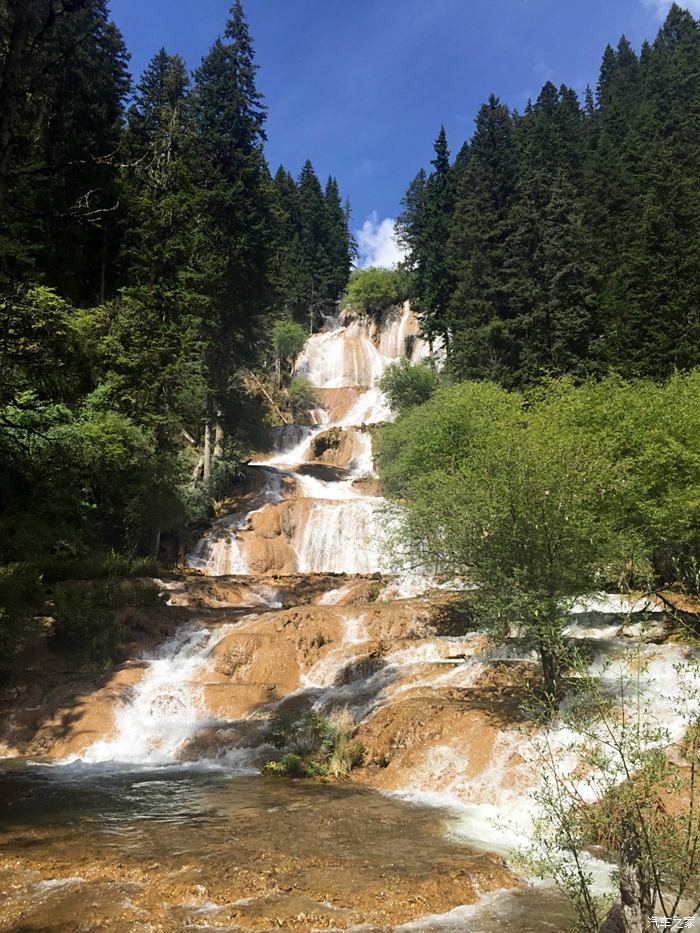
pixel 340 530
pixel 332 527
pixel 165 708
pixel 340 537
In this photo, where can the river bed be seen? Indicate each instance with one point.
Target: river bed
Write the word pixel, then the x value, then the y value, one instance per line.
pixel 167 849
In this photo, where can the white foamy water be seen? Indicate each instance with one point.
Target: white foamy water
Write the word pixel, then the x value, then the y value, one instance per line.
pixel 165 708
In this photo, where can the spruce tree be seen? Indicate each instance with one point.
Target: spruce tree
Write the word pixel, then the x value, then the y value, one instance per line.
pixel 232 222
pixel 338 239
pixel 313 220
pixel 410 231
pixel 435 276
pixel 61 151
pixel 480 308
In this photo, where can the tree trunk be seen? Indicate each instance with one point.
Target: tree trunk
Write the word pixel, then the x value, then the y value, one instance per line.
pixel 206 466
pixel 11 84
pixel 198 471
pixel 155 542
pixel 27 24
pixel 550 672
pixel 103 269
pixel 218 435
pixel 636 908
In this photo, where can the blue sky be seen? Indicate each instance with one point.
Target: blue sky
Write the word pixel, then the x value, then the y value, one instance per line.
pixel 361 86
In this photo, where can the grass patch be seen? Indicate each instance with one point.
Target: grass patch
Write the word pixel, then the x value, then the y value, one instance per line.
pixel 316 745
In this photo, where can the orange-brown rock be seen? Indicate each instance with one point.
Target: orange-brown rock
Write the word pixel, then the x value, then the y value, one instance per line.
pixel 338 402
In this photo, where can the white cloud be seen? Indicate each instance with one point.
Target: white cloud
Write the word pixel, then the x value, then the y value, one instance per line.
pixel 661 7
pixel 377 244
pixel 542 70
pixel 367 167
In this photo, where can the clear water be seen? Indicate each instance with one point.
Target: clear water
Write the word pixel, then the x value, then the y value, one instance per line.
pixel 88 848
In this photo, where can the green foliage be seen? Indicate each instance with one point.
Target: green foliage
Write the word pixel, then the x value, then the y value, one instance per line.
pixel 302 395
pixel 423 231
pixel 312 246
pixel 318 745
pixel 563 239
pixel 288 339
pixel 95 566
pixel 141 253
pixel 652 434
pixel 626 777
pixel 374 290
pixel 21 596
pixel 86 618
pixel 406 384
pixel 543 499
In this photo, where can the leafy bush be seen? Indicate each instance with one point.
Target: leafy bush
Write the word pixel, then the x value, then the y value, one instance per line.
pixel 406 384
pixel 20 596
pixel 652 432
pixel 372 290
pixel 85 617
pixel 318 745
pixel 507 498
pixel 542 499
pixel 226 473
pixel 288 339
pixel 96 566
pixel 302 395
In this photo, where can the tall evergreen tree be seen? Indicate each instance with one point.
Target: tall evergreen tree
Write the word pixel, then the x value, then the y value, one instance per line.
pixel 338 239
pixel 480 308
pixel 435 276
pixel 410 230
pixel 232 220
pixel 58 164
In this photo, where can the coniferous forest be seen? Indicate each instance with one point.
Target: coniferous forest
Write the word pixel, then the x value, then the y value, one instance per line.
pixel 566 239
pixel 146 253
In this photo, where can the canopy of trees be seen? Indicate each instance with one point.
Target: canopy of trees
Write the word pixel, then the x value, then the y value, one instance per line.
pixel 566 239
pixel 542 498
pixel 146 252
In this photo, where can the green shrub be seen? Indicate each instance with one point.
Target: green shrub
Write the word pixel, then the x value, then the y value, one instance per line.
pixel 406 384
pixel 373 290
pixel 302 395
pixel 346 754
pixel 21 595
pixel 318 745
pixel 97 566
pixel 288 339
pixel 542 498
pixel 85 617
pixel 290 765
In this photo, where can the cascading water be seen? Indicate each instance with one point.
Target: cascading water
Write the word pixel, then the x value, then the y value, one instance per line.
pixel 474 766
pixel 339 533
pixel 165 708
pixel 338 529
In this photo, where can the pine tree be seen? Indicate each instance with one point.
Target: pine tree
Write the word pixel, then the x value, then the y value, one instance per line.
pixel 312 216
pixel 289 272
pixel 434 275
pixel 564 325
pixel 62 149
pixel 410 230
pixel 338 239
pixel 651 298
pixel 232 222
pixel 480 308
